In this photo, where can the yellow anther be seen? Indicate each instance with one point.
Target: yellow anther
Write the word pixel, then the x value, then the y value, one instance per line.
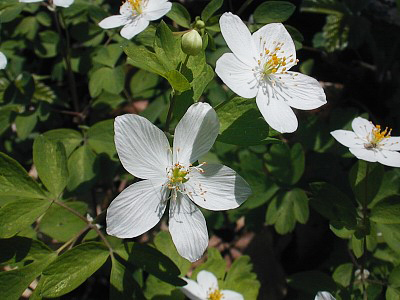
pixel 136 5
pixel 284 69
pixel 283 63
pixel 378 135
pixel 292 60
pixel 266 51
pixel 215 295
pixel 274 70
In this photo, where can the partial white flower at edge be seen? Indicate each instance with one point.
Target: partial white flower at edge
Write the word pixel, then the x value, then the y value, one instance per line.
pixel 206 288
pixel 324 296
pixel 62 3
pixel 370 143
pixel 145 152
pixel 135 16
pixel 259 67
pixel 3 61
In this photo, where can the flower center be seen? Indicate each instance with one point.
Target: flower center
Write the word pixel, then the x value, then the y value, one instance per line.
pixel 178 174
pixel 136 5
pixel 215 295
pixel 378 134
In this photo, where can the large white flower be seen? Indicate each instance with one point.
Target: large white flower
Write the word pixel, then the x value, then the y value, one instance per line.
pixel 145 152
pixel 324 296
pixel 3 61
pixel 135 16
pixel 258 67
pixel 370 143
pixel 206 288
pixel 62 3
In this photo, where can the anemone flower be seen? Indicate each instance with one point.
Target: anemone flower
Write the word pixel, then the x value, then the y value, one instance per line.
pixel 62 3
pixel 324 296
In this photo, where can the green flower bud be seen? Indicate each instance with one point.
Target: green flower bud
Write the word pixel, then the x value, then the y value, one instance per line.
pixel 192 43
pixel 199 24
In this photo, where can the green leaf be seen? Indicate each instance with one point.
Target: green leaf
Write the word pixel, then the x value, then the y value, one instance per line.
pixel 142 58
pixel 343 274
pixel 101 138
pixel 15 181
pixel 179 14
pixel 387 211
pixel 43 93
pixel 68 137
pixel 365 180
pixel 51 163
pixel 25 123
pixel 273 11
pixel 242 124
pixel 177 81
pixel 214 264
pixel 18 215
pixel 394 277
pixel 210 9
pixel 72 268
pixel 83 168
pixel 109 79
pixel 108 55
pixel 323 6
pixel 312 282
pixel 357 245
pixel 10 12
pixel 391 235
pixel 167 47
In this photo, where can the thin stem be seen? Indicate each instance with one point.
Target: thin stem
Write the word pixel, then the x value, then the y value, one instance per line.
pixel 71 241
pixel 364 220
pixel 244 6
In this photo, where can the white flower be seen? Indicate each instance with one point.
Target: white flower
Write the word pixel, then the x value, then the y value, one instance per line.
pixel 3 61
pixel 258 67
pixel 62 3
pixel 145 152
pixel 370 143
pixel 206 288
pixel 324 296
pixel 135 16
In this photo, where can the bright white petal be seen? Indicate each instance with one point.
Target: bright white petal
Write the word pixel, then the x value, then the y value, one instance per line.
pixel 155 9
pixel 126 9
pixel 389 158
pixel 143 149
pixel 195 133
pixel 299 91
pixel 238 38
pixel 193 290
pixel 3 61
pixel 276 112
pixel 188 228
pixel 136 209
pixel 218 188
pixel 324 296
pixel 270 36
pixel 207 281
pixel 392 143
pixel 364 154
pixel 348 138
pixel 113 22
pixel 136 26
pixel 362 127
pixel 238 76
pixel 63 3
pixel 231 295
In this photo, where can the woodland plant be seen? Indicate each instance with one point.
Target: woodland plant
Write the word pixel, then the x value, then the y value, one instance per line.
pixel 221 113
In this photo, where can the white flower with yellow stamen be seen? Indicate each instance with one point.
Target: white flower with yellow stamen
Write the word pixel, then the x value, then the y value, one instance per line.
pixel 370 143
pixel 145 152
pixel 62 3
pixel 259 67
pixel 206 288
pixel 135 16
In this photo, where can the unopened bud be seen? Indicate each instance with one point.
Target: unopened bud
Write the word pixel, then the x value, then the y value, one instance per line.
pixel 192 43
pixel 199 24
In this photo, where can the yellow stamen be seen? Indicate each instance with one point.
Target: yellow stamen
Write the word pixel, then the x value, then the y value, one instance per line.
pixel 215 295
pixel 136 5
pixel 378 135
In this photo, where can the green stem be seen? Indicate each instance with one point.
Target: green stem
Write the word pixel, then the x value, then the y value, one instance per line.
pixel 244 6
pixel 65 245
pixel 365 221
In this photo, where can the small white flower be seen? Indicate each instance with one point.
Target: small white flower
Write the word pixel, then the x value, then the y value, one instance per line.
pixel 145 152
pixel 324 296
pixel 206 288
pixel 62 3
pixel 135 16
pixel 370 143
pixel 3 61
pixel 258 67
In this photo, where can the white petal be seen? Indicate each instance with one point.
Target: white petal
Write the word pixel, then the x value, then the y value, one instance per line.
pixel 63 3
pixel 3 61
pixel 348 138
pixel 389 158
pixel 362 127
pixel 270 36
pixel 324 296
pixel 188 228
pixel 207 281
pixel 195 133
pixel 238 76
pixel 238 38
pixel 364 154
pixel 193 290
pixel 136 26
pixel 136 209
pixel 299 91
pixel 143 149
pixel 218 188
pixel 276 112
pixel 126 9
pixel 113 21
pixel 231 295
pixel 155 9
pixel 392 143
